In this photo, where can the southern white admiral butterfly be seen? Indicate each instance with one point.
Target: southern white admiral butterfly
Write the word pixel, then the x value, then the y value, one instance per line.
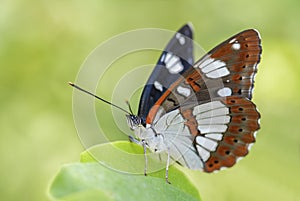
pixel 200 113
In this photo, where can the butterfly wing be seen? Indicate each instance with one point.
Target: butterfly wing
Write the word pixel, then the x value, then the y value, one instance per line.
pixel 212 107
pixel 175 60
pixel 227 70
pixel 211 135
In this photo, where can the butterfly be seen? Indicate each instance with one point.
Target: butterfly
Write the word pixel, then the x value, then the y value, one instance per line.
pixel 200 113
